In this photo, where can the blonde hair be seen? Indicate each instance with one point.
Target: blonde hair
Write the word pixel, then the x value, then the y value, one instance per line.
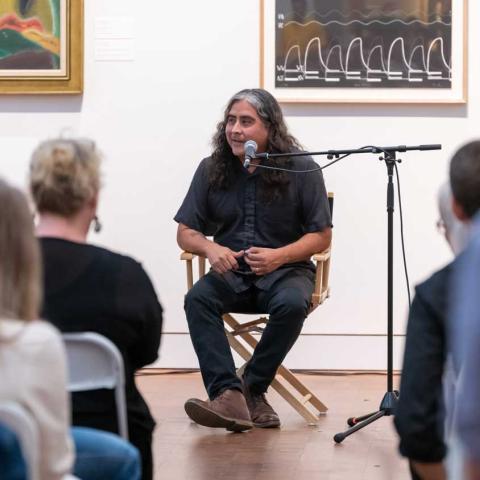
pixel 64 175
pixel 20 268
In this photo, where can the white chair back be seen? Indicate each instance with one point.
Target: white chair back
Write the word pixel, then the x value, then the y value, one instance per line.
pixel 21 423
pixel 94 362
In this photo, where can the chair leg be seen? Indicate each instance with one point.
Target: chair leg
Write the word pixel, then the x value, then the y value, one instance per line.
pixel 307 397
pixel 298 405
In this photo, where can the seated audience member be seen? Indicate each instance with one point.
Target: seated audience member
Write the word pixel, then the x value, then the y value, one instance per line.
pixel 32 365
pixel 420 415
pixel 266 225
pixel 464 321
pixel 88 288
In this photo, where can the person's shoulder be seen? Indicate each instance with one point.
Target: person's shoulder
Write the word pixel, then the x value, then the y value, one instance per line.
pixel 30 334
pixel 205 162
pixel 117 259
pixel 438 278
pixel 435 288
pixel 303 162
pixel 55 245
pixel 202 169
pixel 109 255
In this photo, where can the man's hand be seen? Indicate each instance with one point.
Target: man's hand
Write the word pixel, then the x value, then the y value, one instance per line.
pixel 222 259
pixel 264 260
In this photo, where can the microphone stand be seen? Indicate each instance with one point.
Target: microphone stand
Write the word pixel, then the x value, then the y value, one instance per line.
pixel 390 399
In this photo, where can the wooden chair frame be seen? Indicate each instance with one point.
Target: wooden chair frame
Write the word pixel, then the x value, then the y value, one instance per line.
pixel 241 340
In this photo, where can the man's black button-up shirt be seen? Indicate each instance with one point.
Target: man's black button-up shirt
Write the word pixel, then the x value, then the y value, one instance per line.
pixel 239 218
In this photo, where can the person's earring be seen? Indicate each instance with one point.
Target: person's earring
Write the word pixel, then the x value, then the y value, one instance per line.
pixel 97 226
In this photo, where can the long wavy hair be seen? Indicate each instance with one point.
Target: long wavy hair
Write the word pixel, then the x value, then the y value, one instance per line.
pixel 20 263
pixel 224 166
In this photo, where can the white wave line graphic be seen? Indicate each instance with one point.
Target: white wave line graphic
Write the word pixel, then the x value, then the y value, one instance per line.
pixel 346 24
pixel 389 57
pixel 299 71
pixel 440 40
pixel 320 58
pixel 342 68
pixel 350 13
pixel 379 47
pixel 422 50
pixel 294 47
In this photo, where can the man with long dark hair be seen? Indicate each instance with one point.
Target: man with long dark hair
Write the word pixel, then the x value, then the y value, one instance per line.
pixel 265 224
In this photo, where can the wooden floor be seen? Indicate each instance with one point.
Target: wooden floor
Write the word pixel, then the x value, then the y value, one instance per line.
pixel 184 450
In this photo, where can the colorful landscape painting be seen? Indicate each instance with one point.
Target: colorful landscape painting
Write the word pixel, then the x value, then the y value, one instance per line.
pixel 32 37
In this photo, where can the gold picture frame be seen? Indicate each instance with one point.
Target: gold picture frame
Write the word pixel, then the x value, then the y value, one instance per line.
pixel 56 64
pixel 314 45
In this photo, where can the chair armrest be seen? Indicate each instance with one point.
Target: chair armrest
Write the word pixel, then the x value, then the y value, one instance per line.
pixel 322 272
pixel 188 258
pixel 322 256
pixel 322 260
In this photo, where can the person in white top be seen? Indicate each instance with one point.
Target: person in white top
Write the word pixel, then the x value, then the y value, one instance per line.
pixel 32 369
pixel 33 362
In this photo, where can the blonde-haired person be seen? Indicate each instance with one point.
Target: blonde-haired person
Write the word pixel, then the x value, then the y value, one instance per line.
pixel 88 288
pixel 32 361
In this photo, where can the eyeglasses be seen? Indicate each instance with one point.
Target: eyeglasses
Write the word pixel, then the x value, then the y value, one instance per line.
pixel 441 228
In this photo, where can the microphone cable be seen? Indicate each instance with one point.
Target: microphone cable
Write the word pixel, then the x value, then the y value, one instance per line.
pixel 401 236
pixel 387 154
pixel 402 239
pixel 280 169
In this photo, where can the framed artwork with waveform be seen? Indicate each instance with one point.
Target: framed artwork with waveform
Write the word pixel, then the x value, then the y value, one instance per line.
pixel 364 51
pixel 41 46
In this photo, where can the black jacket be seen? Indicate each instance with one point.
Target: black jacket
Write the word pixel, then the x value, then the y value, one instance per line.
pixel 419 417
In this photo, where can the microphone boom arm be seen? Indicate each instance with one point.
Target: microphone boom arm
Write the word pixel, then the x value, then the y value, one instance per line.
pixel 337 153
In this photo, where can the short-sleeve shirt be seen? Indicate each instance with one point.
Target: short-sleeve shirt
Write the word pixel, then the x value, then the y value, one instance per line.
pixel 239 217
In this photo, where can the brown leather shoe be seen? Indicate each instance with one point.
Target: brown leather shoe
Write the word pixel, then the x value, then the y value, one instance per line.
pixel 261 412
pixel 227 410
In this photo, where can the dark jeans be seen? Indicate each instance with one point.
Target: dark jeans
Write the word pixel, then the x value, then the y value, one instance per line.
pixel 101 455
pixel 141 438
pixel 98 456
pixel 287 303
pixel 12 464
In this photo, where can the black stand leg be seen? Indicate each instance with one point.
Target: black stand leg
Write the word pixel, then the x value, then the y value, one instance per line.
pixel 389 402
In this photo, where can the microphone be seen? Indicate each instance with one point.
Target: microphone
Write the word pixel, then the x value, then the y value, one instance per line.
pixel 250 148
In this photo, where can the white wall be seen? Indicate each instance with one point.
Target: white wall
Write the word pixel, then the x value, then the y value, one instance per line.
pixel 153 118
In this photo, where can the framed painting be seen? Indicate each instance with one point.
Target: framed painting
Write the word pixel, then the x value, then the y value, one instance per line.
pixel 41 46
pixel 364 51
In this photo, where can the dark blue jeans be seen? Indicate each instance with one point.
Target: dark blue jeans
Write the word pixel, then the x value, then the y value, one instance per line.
pixel 12 464
pixel 98 456
pixel 287 303
pixel 101 455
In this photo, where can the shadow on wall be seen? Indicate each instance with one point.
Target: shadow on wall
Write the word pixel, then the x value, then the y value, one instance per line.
pixel 41 103
pixel 375 110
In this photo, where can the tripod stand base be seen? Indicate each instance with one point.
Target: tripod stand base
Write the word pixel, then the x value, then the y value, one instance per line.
pixel 387 408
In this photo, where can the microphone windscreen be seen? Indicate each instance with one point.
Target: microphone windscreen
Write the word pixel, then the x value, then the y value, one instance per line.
pixel 250 148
